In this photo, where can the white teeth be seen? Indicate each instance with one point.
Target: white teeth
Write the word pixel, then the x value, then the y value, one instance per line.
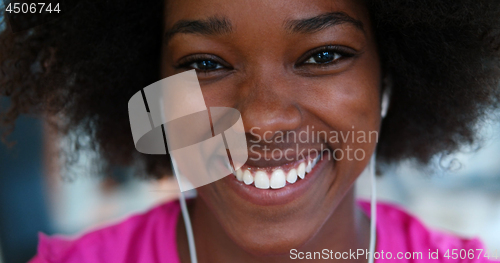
pixel 309 166
pixel 291 177
pixel 239 175
pixel 247 177
pixel 261 180
pixel 278 179
pixel 301 171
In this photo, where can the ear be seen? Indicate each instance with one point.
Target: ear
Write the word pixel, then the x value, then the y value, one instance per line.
pixel 386 95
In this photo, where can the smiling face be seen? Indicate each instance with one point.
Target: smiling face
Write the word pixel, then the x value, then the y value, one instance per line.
pixel 302 67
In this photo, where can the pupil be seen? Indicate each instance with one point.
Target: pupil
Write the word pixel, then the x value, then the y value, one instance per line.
pixel 323 57
pixel 207 64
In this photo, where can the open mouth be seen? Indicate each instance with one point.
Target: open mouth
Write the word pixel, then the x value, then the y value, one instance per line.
pixel 276 177
pixel 280 184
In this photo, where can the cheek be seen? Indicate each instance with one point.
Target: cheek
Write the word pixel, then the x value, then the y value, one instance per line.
pixel 349 105
pixel 353 98
pixel 347 101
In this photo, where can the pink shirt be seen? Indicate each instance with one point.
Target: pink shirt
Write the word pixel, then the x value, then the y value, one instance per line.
pixel 151 238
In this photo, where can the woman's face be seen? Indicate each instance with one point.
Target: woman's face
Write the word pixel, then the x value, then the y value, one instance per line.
pixel 302 68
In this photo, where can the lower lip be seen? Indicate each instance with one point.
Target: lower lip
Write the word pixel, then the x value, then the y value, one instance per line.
pixel 269 197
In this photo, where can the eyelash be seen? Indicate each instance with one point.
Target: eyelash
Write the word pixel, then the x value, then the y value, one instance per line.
pixel 341 51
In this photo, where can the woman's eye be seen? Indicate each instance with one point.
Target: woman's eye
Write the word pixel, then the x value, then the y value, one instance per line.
pixel 323 57
pixel 206 65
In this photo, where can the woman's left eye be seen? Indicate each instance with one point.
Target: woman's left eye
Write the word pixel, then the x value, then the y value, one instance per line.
pixel 323 57
pixel 206 65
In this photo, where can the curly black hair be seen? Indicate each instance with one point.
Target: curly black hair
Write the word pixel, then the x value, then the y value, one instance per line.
pixel 443 57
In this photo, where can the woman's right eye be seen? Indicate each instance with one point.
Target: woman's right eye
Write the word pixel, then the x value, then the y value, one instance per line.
pixel 205 65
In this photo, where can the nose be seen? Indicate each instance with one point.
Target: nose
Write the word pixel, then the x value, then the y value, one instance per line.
pixel 267 104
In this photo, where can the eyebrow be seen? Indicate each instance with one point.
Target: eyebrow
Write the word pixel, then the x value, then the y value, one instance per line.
pixel 220 25
pixel 320 22
pixel 211 26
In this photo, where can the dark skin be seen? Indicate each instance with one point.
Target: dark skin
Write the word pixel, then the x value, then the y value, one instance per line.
pixel 263 63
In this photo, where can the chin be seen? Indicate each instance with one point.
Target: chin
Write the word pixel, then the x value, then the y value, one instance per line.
pixel 273 239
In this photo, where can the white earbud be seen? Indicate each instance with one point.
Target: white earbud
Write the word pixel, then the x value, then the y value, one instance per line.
pixel 386 96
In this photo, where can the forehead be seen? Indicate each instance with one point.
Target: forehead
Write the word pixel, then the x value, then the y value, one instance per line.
pixel 248 15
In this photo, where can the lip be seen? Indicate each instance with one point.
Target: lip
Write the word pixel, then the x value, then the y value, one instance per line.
pixel 270 197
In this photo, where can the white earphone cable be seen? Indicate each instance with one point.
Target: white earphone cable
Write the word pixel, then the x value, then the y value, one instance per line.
pixel 373 200
pixel 373 208
pixel 185 216
pixel 189 229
